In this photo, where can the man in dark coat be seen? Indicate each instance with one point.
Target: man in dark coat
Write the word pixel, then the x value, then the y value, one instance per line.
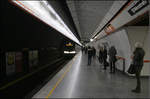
pixel 90 52
pixel 82 48
pixel 100 55
pixel 138 56
pixel 93 52
pixel 112 58
pixel 104 55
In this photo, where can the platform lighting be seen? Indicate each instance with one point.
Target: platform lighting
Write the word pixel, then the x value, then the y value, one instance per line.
pixel 91 40
pixel 66 52
pixel 72 52
pixel 44 11
pixel 69 52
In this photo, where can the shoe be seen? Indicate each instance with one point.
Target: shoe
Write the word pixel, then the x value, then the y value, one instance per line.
pixel 136 91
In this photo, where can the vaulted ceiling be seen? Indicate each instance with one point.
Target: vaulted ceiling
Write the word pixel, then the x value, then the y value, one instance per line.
pixel 88 14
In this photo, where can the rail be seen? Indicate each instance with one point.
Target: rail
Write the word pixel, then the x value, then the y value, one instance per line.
pixel 122 58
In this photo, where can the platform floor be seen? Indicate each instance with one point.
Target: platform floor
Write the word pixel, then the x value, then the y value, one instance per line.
pixel 78 80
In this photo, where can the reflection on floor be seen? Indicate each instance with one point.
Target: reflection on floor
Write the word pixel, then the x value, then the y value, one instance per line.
pixel 78 80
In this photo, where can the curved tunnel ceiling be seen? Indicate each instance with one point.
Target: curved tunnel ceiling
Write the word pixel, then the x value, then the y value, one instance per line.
pixel 87 15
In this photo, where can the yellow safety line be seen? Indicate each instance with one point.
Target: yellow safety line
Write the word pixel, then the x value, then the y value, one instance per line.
pixel 59 80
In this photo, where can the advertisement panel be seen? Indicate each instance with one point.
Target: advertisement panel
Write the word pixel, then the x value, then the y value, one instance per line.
pixel 30 59
pixel 109 28
pixel 18 61
pixel 10 63
pixel 33 58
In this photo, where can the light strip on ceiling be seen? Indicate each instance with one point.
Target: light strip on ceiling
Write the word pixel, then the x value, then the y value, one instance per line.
pixel 43 11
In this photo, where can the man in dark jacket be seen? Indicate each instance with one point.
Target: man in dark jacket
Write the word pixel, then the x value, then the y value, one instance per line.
pixel 93 52
pixel 100 55
pixel 138 56
pixel 112 58
pixel 104 55
pixel 90 52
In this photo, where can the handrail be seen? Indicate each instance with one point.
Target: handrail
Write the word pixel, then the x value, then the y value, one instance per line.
pixel 119 57
pixel 145 61
pixel 122 58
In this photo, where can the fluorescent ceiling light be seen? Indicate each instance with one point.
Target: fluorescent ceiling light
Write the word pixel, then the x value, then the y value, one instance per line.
pixel 91 40
pixel 72 52
pixel 43 10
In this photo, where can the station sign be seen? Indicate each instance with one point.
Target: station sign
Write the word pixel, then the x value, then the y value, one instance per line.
pixel 69 44
pixel 139 5
pixel 109 28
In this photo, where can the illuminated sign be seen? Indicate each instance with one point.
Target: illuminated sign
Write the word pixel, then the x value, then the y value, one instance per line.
pixel 69 44
pixel 140 4
pixel 109 28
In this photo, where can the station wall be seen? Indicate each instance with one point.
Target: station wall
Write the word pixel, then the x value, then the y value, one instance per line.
pixel 124 40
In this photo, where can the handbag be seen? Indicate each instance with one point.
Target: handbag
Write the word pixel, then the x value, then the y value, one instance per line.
pixel 106 64
pixel 132 69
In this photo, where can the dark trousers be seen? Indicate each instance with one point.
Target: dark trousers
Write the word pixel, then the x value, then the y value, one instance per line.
pixel 112 66
pixel 137 75
pixel 89 60
pixel 105 63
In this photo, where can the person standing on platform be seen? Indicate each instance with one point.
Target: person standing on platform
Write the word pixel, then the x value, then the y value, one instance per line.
pixel 112 58
pixel 82 49
pixel 104 55
pixel 138 56
pixel 89 55
pixel 100 55
pixel 86 50
pixel 93 52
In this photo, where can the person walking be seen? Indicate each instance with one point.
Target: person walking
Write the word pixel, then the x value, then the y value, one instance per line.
pixel 112 59
pixel 138 56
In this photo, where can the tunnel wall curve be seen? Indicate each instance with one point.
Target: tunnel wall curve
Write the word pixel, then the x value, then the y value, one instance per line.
pixel 124 40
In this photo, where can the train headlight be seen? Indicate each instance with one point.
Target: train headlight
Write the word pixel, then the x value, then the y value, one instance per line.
pixel 72 52
pixel 69 52
pixel 66 52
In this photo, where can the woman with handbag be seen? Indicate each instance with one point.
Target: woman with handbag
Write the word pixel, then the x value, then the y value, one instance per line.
pixel 138 56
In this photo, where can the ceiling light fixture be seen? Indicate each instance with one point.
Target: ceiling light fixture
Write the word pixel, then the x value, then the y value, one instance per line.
pixel 44 11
